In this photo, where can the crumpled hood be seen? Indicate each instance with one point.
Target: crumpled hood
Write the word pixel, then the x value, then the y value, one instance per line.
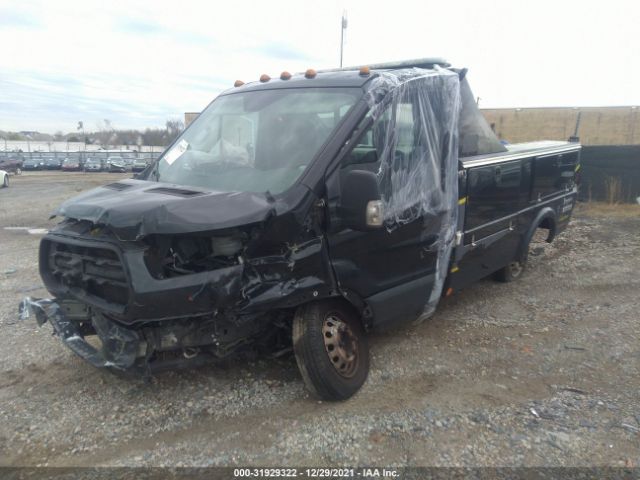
pixel 135 208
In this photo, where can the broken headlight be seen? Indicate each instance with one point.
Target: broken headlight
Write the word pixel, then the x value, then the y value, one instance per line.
pixel 169 256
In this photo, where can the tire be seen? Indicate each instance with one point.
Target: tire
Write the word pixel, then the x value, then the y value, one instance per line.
pixel 320 328
pixel 514 270
pixel 5 182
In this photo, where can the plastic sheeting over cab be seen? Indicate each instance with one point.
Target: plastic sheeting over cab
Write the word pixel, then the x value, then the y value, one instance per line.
pixel 409 139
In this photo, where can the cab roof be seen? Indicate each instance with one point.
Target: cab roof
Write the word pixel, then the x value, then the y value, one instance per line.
pixel 337 77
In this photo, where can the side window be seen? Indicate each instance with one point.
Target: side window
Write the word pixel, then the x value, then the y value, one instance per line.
pixel 405 147
pixel 381 139
pixel 391 147
pixel 366 154
pixel 407 155
pixel 405 128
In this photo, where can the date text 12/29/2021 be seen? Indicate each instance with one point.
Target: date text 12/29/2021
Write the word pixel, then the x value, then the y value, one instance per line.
pixel 364 472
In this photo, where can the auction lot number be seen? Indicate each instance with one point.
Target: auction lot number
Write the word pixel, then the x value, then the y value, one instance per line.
pixel 313 472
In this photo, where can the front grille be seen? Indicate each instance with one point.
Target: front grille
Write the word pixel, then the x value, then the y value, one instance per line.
pixel 96 271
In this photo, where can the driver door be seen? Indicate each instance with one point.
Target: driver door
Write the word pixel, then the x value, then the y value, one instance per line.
pixel 393 267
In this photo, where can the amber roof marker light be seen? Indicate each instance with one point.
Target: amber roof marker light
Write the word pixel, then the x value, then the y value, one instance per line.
pixel 238 83
pixel 264 78
pixel 285 75
pixel 310 73
pixel 365 70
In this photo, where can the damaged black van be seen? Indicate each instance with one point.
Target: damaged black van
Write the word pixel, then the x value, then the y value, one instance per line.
pixel 300 213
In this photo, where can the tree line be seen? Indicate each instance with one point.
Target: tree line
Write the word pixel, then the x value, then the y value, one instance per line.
pixel 107 135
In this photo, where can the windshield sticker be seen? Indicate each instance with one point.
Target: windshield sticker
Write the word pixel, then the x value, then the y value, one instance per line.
pixel 176 152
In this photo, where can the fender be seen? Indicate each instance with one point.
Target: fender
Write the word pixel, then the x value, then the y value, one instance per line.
pixel 546 217
pixel 359 305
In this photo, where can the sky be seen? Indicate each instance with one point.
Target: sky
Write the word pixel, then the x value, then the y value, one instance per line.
pixel 139 63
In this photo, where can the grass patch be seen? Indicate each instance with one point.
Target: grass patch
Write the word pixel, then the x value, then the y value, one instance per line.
pixel 603 209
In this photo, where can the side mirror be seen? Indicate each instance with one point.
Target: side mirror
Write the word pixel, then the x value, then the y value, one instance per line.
pixel 360 206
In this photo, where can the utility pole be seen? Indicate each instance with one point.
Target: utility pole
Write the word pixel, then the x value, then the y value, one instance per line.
pixel 575 137
pixel 343 27
pixel 81 128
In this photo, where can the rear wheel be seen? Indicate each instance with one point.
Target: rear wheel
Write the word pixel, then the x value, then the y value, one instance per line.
pixel 511 272
pixel 331 349
pixel 514 270
pixel 5 182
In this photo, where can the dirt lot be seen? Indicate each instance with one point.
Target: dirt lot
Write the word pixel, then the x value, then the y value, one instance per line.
pixel 545 371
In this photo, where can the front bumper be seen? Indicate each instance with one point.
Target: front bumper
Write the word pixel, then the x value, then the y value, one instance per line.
pixel 120 345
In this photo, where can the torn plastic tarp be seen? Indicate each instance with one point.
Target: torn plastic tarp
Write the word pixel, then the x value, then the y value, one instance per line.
pixel 119 345
pixel 416 113
pixel 476 136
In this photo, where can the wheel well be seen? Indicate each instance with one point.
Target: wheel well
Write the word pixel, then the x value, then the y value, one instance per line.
pixel 548 223
pixel 343 302
pixel 355 306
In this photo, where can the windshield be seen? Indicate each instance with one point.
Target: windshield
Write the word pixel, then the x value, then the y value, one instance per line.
pixel 256 141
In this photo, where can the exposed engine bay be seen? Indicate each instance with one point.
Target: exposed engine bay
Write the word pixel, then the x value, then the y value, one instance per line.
pixel 183 255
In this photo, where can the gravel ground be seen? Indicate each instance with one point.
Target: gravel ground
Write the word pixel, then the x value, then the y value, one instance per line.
pixel 541 372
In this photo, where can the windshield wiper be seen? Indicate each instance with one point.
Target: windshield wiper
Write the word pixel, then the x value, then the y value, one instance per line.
pixel 270 198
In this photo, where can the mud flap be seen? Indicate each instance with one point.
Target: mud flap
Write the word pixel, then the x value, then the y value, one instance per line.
pixel 120 345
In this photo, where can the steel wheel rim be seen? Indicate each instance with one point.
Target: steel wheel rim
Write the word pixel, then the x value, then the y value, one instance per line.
pixel 341 345
pixel 515 268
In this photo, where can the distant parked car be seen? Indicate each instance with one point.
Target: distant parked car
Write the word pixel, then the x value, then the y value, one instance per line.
pixel 116 159
pixel 11 165
pixel 138 165
pixel 93 165
pixel 52 164
pixel 117 165
pixel 70 165
pixel 4 178
pixel 33 164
